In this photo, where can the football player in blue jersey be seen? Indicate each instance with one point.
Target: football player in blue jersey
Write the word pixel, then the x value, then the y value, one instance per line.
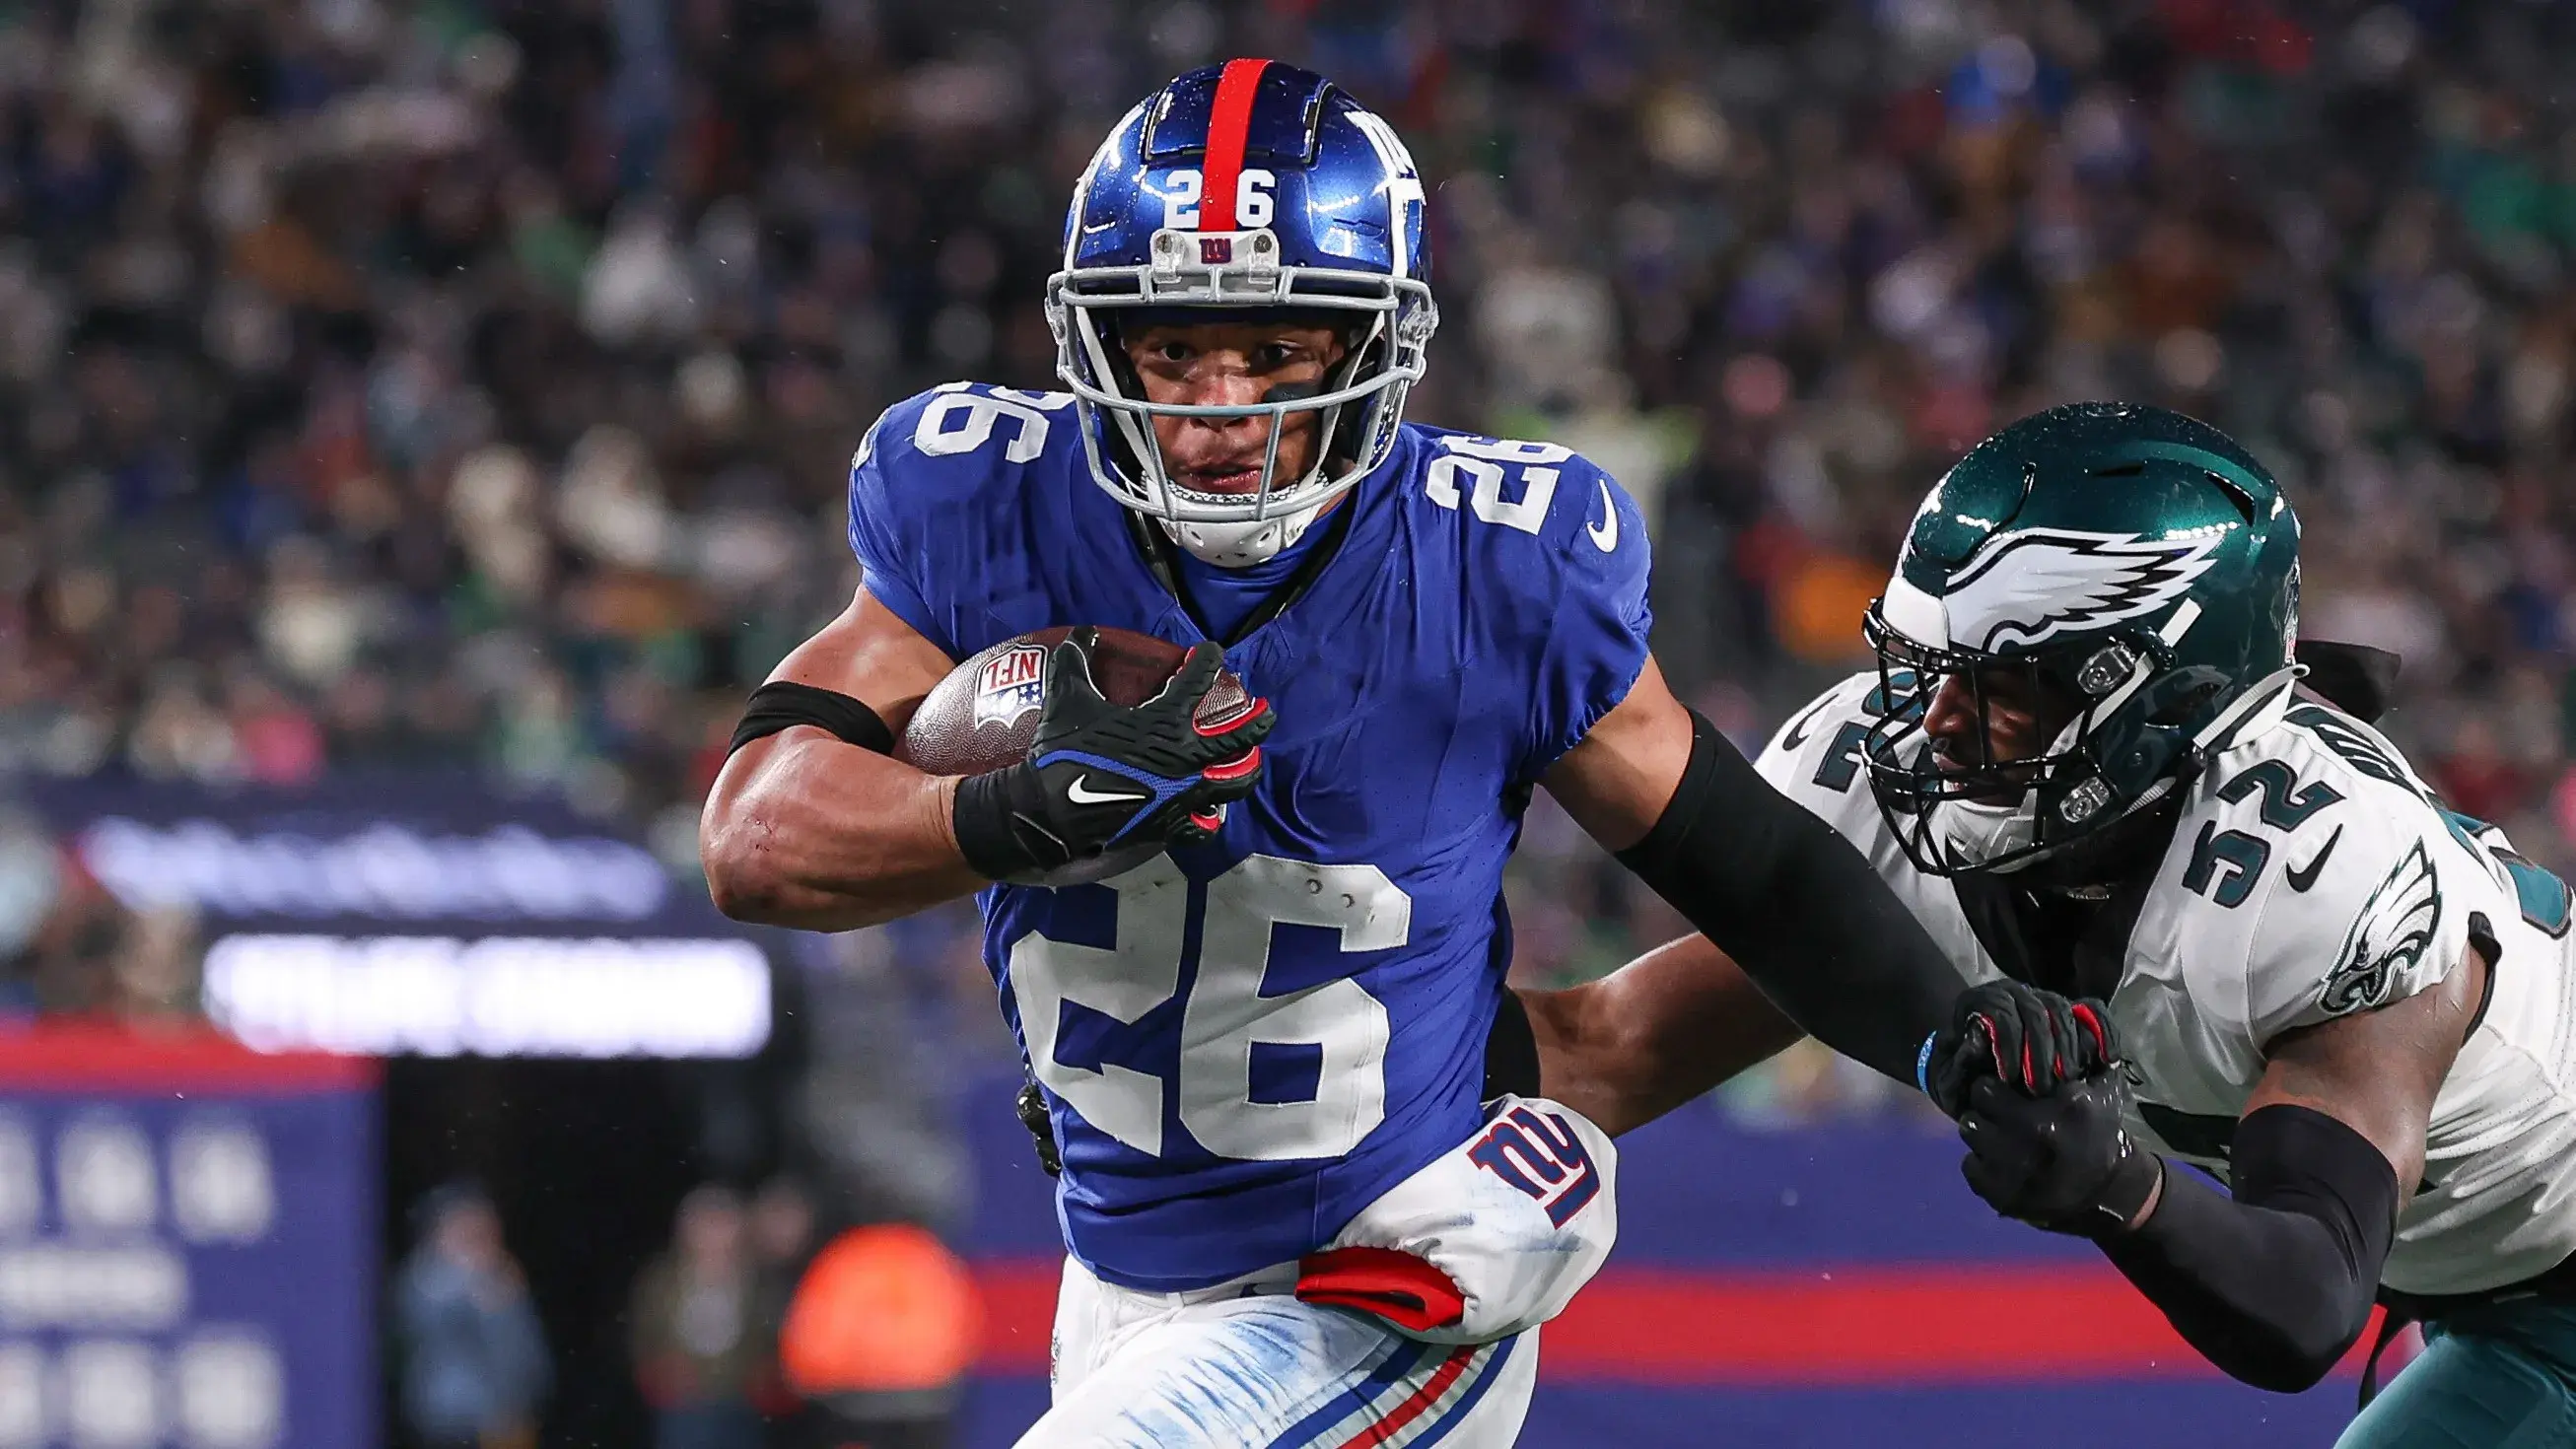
pixel 1293 1210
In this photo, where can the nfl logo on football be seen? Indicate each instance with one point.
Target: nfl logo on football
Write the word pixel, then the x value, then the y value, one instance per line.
pixel 1014 683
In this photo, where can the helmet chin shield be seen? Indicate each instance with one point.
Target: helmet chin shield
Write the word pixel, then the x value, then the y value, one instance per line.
pixel 1242 545
pixel 1971 832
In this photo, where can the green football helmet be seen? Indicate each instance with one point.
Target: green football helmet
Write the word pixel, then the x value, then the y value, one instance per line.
pixel 2135 566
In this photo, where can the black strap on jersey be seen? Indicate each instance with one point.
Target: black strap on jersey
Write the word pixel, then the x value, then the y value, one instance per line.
pixel 782 704
pixel 1798 908
pixel 2272 1283
pixel 2555 1284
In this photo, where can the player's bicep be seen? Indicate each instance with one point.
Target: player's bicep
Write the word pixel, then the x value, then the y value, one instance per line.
pixel 872 654
pixel 1617 779
pixel 2377 1071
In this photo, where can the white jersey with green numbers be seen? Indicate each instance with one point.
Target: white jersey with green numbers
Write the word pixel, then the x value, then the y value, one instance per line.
pixel 2311 875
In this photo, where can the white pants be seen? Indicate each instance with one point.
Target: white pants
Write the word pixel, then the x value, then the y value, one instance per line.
pixel 1244 1365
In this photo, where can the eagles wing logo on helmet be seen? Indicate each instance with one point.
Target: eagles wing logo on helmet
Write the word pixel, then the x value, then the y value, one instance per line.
pixel 2034 584
pixel 2395 930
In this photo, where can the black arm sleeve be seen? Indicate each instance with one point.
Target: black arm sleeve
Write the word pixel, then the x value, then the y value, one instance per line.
pixel 1798 909
pixel 2274 1284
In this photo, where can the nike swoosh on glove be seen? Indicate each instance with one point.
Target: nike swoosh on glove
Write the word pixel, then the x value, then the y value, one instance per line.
pixel 1100 775
pixel 2018 1034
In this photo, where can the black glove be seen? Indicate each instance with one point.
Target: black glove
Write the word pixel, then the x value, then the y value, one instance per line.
pixel 2016 1033
pixel 1032 1109
pixel 1101 775
pixel 2061 1161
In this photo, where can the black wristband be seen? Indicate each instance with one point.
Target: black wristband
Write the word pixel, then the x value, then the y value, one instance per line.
pixel 998 819
pixel 782 704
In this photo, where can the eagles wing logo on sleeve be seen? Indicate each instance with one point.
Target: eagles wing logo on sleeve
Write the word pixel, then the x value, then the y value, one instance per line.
pixel 2032 584
pixel 2395 929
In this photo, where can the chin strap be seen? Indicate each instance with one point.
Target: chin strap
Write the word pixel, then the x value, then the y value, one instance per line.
pixel 1161 555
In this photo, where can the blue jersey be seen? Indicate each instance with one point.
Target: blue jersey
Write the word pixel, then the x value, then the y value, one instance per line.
pixel 1247 1041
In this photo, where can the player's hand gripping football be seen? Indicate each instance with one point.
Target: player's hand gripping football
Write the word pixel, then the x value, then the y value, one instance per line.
pixel 2019 1035
pixel 1099 775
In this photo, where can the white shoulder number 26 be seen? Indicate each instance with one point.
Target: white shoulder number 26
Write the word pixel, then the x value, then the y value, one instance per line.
pixel 1480 461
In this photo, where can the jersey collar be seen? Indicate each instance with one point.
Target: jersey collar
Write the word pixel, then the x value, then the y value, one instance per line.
pixel 1161 557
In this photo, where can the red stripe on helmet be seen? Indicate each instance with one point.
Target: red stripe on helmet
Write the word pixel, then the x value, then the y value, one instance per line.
pixel 1229 123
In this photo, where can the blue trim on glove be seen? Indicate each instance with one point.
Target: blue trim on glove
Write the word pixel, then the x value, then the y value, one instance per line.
pixel 1163 789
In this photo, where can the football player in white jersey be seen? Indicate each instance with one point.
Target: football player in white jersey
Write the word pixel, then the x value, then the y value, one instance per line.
pixel 2093 758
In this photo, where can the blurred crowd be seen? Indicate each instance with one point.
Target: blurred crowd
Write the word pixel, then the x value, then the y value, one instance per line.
pixel 750 1331
pixel 475 378
pixel 68 946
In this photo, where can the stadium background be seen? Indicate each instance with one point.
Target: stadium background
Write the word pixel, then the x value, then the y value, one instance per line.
pixel 420 424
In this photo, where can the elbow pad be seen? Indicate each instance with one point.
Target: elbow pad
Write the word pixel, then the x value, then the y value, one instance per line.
pixel 2299 1160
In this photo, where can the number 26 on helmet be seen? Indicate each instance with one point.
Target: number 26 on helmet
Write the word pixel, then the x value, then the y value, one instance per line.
pixel 1247 191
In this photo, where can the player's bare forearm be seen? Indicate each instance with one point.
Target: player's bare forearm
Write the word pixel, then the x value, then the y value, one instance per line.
pixel 1656 1033
pixel 803 830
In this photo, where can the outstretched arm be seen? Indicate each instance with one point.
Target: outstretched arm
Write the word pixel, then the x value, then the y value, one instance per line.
pixel 1655 1033
pixel 1783 895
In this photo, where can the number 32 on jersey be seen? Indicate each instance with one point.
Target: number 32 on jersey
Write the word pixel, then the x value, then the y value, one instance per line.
pixel 1226 1014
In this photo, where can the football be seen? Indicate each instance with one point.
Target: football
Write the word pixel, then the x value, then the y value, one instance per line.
pixel 983 715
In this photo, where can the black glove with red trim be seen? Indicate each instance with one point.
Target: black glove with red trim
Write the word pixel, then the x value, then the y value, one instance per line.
pixel 2015 1033
pixel 1102 779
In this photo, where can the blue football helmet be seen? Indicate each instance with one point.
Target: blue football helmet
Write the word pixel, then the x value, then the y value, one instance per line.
pixel 1255 187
